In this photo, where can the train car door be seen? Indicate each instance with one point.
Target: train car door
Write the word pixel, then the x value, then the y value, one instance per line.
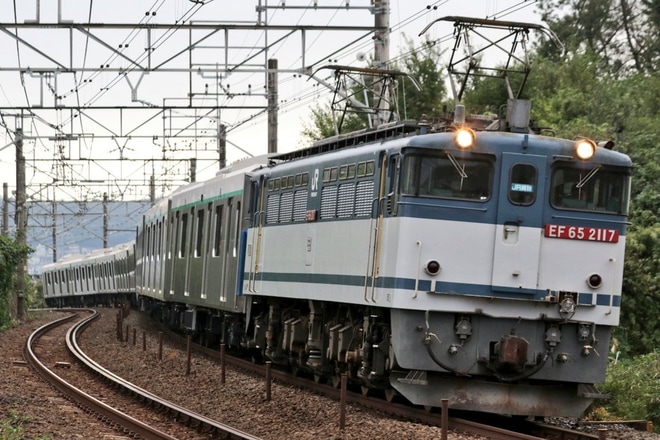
pixel 519 220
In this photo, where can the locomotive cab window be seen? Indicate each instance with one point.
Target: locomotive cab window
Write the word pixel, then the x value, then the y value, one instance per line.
pixel 594 189
pixel 445 176
pixel 522 184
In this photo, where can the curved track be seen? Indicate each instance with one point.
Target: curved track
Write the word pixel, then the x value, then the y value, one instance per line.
pixel 118 419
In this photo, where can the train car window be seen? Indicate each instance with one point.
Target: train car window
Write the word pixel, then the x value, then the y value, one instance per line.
pixel 371 168
pixel 200 233
pixel 522 184
pixel 237 228
pixel 351 171
pixel 305 179
pixel 271 185
pixel 330 174
pixel 446 177
pixel 217 238
pixel 276 184
pixel 289 182
pixel 361 169
pixel 343 172
pixel 590 189
pixel 182 237
pixel 298 181
pixel 160 239
pixel 175 238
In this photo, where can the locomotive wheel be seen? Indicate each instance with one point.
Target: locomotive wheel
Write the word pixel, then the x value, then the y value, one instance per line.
pixel 390 394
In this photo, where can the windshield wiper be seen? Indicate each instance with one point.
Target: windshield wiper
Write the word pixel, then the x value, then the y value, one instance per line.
pixel 585 179
pixel 459 168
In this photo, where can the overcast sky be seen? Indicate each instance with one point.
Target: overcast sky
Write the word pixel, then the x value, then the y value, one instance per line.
pixel 247 128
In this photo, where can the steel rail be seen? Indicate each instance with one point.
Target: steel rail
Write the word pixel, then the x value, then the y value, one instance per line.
pixel 179 412
pixel 82 399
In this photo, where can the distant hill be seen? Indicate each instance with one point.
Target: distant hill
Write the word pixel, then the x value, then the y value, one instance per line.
pixel 79 227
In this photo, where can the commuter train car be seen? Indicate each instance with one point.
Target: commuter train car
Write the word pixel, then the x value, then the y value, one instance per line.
pixel 479 265
pixel 100 277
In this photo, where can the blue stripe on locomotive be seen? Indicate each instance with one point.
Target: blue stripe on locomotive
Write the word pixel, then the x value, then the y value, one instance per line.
pixel 441 287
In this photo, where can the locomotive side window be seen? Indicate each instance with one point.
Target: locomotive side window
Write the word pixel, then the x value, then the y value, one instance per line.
pixel 591 190
pixel 446 177
pixel 522 184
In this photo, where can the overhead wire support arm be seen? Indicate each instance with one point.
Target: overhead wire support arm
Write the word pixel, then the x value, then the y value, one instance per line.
pixel 517 32
pixel 344 101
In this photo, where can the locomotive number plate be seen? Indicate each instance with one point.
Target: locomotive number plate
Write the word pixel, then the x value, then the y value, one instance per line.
pixel 582 233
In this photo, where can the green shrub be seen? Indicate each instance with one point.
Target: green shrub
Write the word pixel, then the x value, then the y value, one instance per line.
pixel 634 385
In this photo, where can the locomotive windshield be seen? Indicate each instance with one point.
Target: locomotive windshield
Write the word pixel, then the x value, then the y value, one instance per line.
pixel 593 189
pixel 446 176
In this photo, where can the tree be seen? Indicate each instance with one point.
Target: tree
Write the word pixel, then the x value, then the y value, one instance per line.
pixel 322 124
pixel 622 33
pixel 11 255
pixel 422 63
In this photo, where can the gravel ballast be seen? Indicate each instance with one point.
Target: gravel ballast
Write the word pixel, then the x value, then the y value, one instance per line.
pixel 40 413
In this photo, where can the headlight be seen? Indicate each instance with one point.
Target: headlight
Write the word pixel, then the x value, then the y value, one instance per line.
pixel 464 137
pixel 585 149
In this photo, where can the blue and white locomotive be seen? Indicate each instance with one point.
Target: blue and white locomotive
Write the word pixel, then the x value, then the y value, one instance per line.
pixel 480 266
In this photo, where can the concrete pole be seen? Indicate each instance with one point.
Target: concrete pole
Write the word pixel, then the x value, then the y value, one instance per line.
pixel 21 220
pixel 272 106
pixel 152 190
pixel 54 229
pixel 5 209
pixel 381 54
pixel 222 145
pixel 105 220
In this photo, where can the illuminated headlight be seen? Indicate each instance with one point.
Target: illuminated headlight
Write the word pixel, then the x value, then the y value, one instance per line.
pixel 585 149
pixel 464 137
pixel 432 267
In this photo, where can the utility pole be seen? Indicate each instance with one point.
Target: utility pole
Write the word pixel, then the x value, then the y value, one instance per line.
pixel 381 53
pixel 54 229
pixel 272 106
pixel 5 209
pixel 222 145
pixel 152 189
pixel 21 222
pixel 105 220
pixel 193 170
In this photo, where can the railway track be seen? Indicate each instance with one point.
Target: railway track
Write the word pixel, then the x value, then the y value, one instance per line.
pixel 119 420
pixel 496 428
